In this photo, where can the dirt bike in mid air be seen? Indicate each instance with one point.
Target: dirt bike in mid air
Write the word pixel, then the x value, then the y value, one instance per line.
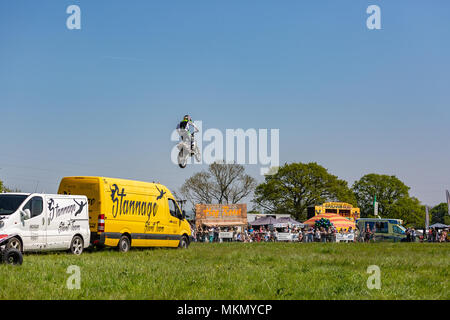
pixel 185 151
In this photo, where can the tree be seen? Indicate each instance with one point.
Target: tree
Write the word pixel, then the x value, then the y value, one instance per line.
pixel 297 186
pixel 3 188
pixel 439 213
pixel 393 199
pixel 410 210
pixel 388 190
pixel 221 183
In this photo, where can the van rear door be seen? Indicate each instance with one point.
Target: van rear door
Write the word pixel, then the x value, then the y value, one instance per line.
pixel 88 187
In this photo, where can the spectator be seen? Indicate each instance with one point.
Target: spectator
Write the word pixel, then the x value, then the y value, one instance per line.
pixel 367 234
pixel 317 235
pixel 211 234
pixel 413 235
pixel 300 236
pixel 311 235
pixel 323 234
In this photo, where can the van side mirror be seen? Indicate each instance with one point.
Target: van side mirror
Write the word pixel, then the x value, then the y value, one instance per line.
pixel 183 214
pixel 25 214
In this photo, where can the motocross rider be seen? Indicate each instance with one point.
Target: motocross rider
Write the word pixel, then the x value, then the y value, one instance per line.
pixel 184 129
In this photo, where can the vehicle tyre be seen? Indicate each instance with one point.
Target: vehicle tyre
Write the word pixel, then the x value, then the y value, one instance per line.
pixel 124 244
pixel 14 243
pixel 184 243
pixel 77 245
pixel 12 256
pixel 182 161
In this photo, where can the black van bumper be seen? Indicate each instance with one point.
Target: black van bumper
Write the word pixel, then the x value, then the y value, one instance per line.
pixel 97 239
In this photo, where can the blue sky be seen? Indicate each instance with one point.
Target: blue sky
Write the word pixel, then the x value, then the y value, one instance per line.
pixel 103 100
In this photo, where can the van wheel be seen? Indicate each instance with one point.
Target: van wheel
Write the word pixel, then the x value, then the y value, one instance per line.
pixel 14 243
pixel 77 245
pixel 183 243
pixel 124 244
pixel 12 256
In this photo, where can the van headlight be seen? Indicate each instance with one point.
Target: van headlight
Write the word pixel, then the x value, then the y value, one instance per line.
pixel 2 224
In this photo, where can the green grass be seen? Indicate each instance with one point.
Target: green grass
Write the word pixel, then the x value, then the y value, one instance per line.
pixel 237 271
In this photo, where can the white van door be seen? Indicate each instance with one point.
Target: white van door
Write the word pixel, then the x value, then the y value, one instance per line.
pixel 34 229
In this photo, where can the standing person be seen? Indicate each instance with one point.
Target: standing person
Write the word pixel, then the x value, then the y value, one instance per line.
pixel 323 234
pixel 317 235
pixel 211 234
pixel 408 235
pixel 413 235
pixel 310 234
pixel 367 233
pixel 352 233
pixel 300 236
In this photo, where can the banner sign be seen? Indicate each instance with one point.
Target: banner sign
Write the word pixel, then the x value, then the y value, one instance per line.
pixel 284 236
pixel 226 235
pixel 345 237
pixel 221 214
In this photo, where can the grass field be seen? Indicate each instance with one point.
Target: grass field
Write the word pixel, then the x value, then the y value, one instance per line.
pixel 237 271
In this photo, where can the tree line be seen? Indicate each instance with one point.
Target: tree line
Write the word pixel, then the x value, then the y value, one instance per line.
pixel 296 186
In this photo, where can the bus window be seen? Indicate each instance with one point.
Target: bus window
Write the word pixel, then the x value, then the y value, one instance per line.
pixel 369 224
pixel 382 227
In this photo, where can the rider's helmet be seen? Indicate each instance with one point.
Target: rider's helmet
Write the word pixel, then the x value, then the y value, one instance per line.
pixel 187 118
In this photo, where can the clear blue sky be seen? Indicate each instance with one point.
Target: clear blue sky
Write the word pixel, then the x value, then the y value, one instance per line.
pixel 103 100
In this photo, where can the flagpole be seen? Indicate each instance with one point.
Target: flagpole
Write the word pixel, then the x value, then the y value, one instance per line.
pixel 448 201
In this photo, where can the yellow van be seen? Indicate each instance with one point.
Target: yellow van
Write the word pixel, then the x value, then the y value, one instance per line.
pixel 125 213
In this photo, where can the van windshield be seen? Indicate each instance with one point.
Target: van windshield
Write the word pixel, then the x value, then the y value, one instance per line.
pixel 9 203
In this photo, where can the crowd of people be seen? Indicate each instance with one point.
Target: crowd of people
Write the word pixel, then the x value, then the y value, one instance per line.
pixel 307 234
pixel 436 235
pixel 267 234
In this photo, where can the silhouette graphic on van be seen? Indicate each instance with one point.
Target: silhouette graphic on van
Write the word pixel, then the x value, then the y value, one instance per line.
pixel 80 207
pixel 162 193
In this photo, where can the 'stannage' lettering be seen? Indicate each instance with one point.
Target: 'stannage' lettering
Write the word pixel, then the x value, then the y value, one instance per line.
pixel 130 207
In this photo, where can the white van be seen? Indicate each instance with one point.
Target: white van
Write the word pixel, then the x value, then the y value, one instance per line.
pixel 35 222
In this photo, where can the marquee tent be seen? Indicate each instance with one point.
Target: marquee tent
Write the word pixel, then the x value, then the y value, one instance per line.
pixel 439 226
pixel 263 221
pixel 286 221
pixel 338 221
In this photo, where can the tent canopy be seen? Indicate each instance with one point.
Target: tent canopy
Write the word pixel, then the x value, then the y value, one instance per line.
pixel 286 221
pixel 263 221
pixel 439 226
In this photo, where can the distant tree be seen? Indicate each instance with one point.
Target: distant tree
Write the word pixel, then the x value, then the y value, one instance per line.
pixel 297 186
pixel 393 199
pixel 3 188
pixel 410 210
pixel 388 190
pixel 439 213
pixel 222 183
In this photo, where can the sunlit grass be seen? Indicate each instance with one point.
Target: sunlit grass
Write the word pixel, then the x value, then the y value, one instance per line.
pixel 237 271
